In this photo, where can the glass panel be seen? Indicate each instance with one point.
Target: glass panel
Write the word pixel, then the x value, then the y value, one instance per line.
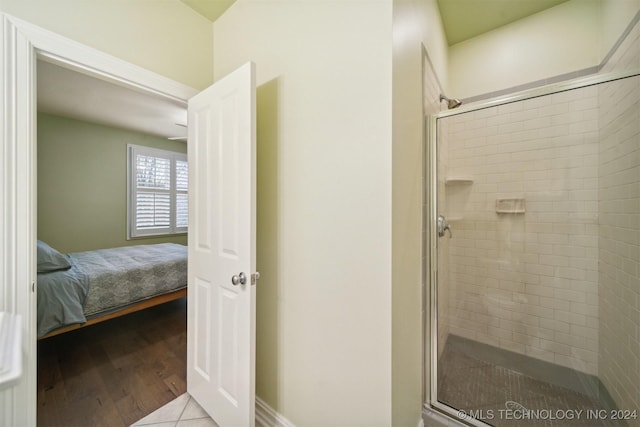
pixel 538 283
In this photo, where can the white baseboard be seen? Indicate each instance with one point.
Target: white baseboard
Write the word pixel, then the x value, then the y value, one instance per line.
pixel 266 416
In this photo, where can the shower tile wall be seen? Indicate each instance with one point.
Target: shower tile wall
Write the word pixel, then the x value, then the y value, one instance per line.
pixel 526 282
pixel 619 214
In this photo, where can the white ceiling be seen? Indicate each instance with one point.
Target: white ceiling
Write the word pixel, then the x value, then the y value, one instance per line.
pixel 68 93
pixel 71 94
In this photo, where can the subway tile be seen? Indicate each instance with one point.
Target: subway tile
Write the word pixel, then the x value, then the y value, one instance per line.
pixel 502 110
pixel 575 218
pixel 539 354
pixel 512 346
pixel 554 260
pixel 568 250
pixel 555 347
pixel 569 295
pixel 556 239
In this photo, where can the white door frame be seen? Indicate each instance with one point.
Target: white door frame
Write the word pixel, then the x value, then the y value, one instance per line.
pixel 21 44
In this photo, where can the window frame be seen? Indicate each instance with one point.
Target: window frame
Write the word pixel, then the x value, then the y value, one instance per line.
pixel 133 232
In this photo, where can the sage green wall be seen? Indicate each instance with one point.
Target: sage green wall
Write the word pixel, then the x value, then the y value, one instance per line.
pixel 82 183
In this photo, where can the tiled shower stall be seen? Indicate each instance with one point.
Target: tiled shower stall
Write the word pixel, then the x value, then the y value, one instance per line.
pixel 523 276
pixel 543 261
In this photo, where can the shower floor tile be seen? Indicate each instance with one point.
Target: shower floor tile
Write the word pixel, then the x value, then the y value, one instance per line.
pixel 503 397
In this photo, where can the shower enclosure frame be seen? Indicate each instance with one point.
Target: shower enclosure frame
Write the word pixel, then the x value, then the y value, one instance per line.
pixel 430 244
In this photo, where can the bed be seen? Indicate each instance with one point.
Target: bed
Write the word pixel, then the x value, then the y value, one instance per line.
pixel 84 288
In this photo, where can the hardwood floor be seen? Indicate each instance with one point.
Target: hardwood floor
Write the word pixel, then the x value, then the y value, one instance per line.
pixel 116 372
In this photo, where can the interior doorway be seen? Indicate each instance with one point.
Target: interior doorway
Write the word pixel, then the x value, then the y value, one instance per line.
pixel 23 45
pixel 120 371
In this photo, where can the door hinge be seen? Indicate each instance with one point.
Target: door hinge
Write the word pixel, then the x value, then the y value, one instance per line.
pixel 254 277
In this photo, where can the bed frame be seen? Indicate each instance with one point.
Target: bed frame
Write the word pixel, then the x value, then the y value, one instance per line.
pixel 132 308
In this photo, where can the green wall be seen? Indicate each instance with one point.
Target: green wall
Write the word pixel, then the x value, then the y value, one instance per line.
pixel 82 183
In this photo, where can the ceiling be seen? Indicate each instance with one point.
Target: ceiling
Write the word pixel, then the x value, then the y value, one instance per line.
pixel 464 19
pixel 72 94
pixel 67 93
pixel 210 9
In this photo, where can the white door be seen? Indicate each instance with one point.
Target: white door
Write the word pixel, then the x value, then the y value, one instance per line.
pixel 222 235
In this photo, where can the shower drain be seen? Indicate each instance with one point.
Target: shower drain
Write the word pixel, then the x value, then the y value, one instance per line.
pixel 514 406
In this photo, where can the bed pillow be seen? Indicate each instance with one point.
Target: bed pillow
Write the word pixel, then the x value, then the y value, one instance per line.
pixel 50 259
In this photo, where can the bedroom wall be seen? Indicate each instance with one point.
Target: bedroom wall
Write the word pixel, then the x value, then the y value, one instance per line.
pixel 82 183
pixel 167 37
pixel 324 212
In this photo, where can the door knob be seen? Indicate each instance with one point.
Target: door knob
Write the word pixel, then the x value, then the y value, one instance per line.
pixel 239 279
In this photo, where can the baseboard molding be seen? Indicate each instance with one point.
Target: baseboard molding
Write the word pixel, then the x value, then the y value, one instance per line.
pixel 433 418
pixel 266 416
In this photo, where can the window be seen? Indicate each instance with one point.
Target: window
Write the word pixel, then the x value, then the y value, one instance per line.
pixel 158 186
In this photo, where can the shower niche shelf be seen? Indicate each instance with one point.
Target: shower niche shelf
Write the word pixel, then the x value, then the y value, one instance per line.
pixel 510 206
pixel 457 193
pixel 457 180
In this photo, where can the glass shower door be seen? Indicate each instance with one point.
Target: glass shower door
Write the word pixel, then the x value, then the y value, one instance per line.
pixel 537 270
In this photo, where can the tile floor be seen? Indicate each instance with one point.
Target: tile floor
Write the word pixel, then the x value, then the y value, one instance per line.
pixel 470 384
pixel 180 412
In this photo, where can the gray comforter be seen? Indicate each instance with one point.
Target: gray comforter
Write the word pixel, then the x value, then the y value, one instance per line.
pixel 107 279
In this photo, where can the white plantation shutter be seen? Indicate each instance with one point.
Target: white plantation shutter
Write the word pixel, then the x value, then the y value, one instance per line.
pixel 182 197
pixel 158 192
pixel 182 210
pixel 153 210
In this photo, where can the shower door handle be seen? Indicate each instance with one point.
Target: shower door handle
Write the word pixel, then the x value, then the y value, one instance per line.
pixel 443 226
